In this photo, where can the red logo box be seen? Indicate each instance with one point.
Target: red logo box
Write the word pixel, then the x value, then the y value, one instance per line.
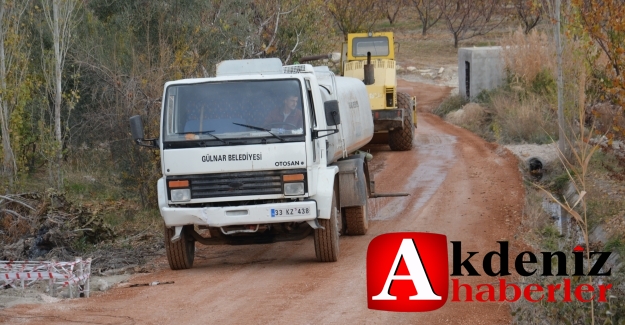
pixel 407 271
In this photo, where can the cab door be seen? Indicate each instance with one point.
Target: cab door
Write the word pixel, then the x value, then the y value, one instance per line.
pixel 317 145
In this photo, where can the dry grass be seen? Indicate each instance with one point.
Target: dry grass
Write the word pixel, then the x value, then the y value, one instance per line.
pixel 518 120
pixel 535 219
pixel 526 56
pixel 471 116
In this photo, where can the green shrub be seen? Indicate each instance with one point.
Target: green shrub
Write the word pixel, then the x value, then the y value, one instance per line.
pixel 615 245
pixel 606 162
pixel 551 238
pixel 485 96
pixel 544 84
pixel 453 103
pixel 560 182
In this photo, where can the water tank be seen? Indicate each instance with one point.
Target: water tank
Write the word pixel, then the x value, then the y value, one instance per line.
pixel 356 128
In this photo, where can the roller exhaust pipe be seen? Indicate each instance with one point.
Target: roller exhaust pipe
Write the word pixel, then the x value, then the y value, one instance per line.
pixel 369 72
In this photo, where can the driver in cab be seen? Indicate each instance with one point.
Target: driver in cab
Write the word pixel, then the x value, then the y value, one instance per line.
pixel 288 115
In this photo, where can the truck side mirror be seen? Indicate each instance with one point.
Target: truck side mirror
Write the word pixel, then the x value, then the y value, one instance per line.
pixel 333 117
pixel 136 127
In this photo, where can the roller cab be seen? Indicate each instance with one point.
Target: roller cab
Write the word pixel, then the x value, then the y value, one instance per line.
pixel 370 57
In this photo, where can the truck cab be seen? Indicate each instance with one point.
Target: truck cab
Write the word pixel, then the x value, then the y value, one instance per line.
pixel 252 156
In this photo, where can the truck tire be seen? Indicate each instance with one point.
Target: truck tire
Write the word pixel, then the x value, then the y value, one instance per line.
pixel 357 218
pixel 401 139
pixel 180 254
pixel 327 239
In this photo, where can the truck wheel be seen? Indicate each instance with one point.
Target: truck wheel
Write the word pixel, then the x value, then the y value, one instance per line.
pixel 180 254
pixel 357 220
pixel 327 239
pixel 401 139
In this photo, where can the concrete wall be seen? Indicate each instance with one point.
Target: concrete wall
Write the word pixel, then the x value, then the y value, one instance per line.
pixel 486 69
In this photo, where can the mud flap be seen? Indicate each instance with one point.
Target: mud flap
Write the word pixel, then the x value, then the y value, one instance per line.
pixel 352 181
pixel 314 224
pixel 176 236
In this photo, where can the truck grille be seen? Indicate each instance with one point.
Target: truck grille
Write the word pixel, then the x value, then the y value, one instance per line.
pixel 237 184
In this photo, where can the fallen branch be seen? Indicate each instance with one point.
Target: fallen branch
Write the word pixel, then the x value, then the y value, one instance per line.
pixel 149 284
pixel 13 213
pixel 16 201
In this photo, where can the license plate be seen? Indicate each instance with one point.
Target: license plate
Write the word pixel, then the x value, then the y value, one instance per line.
pixel 287 212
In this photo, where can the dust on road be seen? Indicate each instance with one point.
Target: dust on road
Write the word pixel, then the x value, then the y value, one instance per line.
pixel 460 186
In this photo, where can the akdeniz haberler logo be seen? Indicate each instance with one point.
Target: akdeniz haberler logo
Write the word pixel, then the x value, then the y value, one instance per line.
pixel 408 272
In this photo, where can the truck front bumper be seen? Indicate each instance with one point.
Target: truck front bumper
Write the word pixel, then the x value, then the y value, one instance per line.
pixel 240 215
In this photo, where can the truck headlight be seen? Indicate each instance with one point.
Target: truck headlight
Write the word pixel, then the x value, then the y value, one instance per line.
pixel 181 195
pixel 293 188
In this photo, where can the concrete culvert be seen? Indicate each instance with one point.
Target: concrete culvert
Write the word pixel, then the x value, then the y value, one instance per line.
pixel 536 167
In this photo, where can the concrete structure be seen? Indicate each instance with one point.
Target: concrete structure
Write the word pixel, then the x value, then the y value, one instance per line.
pixel 479 68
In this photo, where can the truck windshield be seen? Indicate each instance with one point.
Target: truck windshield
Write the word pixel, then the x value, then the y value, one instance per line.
pixel 378 46
pixel 224 111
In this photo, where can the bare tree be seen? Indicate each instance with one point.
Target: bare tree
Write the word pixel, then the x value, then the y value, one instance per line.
pixel 354 15
pixel 392 8
pixel 429 13
pixel 283 28
pixel 528 12
pixel 62 19
pixel 267 19
pixel 11 53
pixel 467 19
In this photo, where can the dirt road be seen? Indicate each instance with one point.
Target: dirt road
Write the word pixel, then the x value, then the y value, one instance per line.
pixel 460 186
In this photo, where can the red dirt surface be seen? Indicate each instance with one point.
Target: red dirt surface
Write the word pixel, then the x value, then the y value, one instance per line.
pixel 459 186
pixel 428 96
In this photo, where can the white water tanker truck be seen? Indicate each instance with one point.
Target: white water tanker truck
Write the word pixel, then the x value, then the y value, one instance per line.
pixel 262 153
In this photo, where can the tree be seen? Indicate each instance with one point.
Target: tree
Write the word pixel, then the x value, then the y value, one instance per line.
pixel 268 21
pixel 62 18
pixel 352 16
pixel 392 9
pixel 429 13
pixel 554 12
pixel 529 12
pixel 128 49
pixel 13 60
pixel 467 19
pixel 604 24
pixel 284 28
